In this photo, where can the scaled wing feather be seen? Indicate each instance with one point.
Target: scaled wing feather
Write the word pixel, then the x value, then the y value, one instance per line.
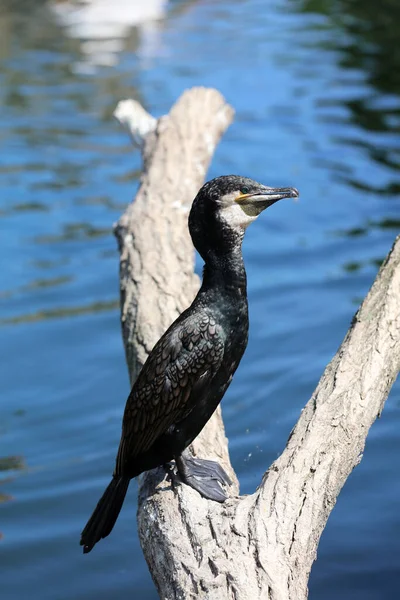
pixel 179 364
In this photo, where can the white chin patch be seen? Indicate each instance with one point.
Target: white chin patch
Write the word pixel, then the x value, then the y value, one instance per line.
pixel 235 217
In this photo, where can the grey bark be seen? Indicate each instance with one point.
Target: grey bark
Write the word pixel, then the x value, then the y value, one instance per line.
pixel 262 545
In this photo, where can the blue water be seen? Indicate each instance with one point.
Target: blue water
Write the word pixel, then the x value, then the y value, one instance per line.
pixel 316 89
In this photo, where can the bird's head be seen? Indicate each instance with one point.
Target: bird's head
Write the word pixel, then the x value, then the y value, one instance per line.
pixel 225 206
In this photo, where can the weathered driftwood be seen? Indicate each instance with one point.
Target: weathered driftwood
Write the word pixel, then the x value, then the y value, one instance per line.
pixel 262 545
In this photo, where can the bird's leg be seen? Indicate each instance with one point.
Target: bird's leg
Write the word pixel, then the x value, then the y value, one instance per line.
pixel 205 476
pixel 171 475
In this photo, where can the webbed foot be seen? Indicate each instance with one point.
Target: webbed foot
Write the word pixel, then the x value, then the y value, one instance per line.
pixel 205 476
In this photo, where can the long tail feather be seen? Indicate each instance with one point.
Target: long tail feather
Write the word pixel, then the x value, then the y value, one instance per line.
pixel 105 514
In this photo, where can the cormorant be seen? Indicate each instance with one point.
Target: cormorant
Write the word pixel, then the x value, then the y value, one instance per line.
pixel 189 369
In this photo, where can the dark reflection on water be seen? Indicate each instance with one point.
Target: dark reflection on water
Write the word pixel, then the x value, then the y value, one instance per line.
pixel 74 231
pixel 7 464
pixel 58 313
pixel 368 119
pixel 388 223
pixel 11 463
pixel 316 90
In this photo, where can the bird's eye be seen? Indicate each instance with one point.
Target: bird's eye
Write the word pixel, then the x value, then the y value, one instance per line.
pixel 244 190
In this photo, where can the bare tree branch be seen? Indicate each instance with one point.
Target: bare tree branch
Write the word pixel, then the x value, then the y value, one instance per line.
pixel 260 546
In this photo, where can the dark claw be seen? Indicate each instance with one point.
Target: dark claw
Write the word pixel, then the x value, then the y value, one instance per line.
pixel 207 487
pixel 208 468
pixel 205 476
pixel 170 475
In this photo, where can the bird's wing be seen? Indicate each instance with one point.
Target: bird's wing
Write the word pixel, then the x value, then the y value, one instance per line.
pixel 183 361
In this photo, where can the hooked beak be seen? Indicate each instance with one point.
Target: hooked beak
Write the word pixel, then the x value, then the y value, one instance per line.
pixel 266 196
pixel 253 204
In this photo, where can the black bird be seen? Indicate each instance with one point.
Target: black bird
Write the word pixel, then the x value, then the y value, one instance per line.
pixel 189 369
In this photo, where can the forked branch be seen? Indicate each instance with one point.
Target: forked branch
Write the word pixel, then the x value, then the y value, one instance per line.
pixel 260 546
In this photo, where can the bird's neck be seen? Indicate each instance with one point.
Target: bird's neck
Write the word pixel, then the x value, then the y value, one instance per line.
pixel 225 272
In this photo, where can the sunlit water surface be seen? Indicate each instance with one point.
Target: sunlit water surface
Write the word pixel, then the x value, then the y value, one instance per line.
pixel 316 90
